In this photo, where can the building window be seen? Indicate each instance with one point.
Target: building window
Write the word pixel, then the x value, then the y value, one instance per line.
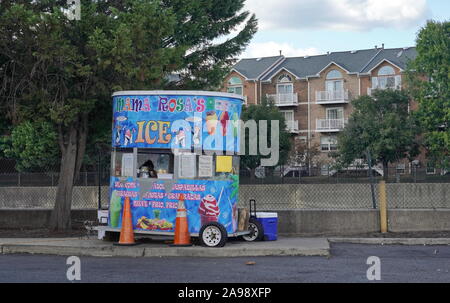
pixel 284 78
pixel 401 168
pixel 325 169
pixel 431 170
pixel 235 86
pixel 285 86
pixel 289 119
pixel 336 113
pixel 386 79
pixel 386 71
pixel 328 143
pixel 334 85
pixel 334 74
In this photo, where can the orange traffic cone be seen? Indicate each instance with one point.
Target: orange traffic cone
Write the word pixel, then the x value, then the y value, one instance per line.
pixel 126 232
pixel 182 236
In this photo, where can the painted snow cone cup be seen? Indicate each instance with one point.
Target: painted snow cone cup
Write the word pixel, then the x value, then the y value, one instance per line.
pixel 211 122
pixel 115 208
pixel 208 210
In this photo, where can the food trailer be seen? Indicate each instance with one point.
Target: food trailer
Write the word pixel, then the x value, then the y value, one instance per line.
pixel 167 143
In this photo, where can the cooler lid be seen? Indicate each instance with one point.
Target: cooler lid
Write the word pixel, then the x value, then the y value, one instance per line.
pixel 266 215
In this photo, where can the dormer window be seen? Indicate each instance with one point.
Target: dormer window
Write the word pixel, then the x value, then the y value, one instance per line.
pixel 334 83
pixel 386 71
pixel 386 78
pixel 334 74
pixel 285 86
pixel 284 78
pixel 235 86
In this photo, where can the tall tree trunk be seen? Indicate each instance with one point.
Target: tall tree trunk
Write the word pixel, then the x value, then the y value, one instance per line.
pixel 72 154
pixel 81 148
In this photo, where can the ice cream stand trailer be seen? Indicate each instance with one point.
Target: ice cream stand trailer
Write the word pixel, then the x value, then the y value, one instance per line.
pixel 167 143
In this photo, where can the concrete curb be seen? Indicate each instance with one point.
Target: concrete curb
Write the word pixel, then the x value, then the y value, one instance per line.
pixel 317 247
pixel 392 241
pixel 221 252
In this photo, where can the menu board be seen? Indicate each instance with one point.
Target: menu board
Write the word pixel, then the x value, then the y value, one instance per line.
pixel 187 165
pixel 127 165
pixel 205 166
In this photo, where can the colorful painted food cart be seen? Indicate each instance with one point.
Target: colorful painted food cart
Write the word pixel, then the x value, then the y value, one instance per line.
pixel 167 143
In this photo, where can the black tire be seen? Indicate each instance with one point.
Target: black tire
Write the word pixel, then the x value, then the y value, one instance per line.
pixel 256 231
pixel 213 234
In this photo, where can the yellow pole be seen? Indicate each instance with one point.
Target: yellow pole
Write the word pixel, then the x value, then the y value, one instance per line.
pixel 383 206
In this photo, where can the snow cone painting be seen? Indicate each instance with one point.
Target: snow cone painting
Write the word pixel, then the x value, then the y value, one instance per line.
pixel 208 209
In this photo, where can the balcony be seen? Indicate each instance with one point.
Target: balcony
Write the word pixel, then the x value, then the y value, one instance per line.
pixel 385 82
pixel 284 99
pixel 292 126
pixel 330 125
pixel 371 89
pixel 332 97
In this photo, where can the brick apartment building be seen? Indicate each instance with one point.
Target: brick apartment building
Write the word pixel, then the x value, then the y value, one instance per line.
pixel 314 92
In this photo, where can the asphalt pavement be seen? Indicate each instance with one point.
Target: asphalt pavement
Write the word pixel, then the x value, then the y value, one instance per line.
pixel 347 263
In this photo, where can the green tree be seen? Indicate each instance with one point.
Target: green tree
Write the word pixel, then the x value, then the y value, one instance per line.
pixel 429 77
pixel 269 112
pixel 65 70
pixel 380 125
pixel 32 144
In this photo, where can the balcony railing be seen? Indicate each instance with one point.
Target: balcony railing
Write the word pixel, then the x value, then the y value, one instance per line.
pixel 330 125
pixel 385 82
pixel 292 126
pixel 284 99
pixel 371 89
pixel 336 96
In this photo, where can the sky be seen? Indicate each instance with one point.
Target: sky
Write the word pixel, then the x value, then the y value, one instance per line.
pixel 313 27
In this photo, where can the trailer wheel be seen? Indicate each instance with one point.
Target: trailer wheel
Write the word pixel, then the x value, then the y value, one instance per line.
pixel 213 234
pixel 256 231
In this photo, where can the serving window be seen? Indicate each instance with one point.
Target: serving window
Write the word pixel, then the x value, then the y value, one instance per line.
pixel 142 163
pixel 152 163
pixel 163 164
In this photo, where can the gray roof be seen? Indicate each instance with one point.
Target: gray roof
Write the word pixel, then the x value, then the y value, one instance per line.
pixel 398 56
pixel 253 67
pixel 359 61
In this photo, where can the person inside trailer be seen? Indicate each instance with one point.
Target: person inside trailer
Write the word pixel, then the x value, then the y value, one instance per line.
pixel 147 170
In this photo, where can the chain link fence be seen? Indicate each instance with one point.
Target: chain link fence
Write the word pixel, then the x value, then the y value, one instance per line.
pixel 317 188
pixel 37 188
pixel 345 196
pixel 400 173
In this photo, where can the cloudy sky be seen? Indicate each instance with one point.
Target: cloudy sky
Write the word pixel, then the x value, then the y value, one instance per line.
pixel 311 27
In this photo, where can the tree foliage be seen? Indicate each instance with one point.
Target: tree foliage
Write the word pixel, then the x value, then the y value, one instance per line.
pixel 269 112
pixel 380 124
pixel 32 145
pixel 429 77
pixel 304 154
pixel 64 71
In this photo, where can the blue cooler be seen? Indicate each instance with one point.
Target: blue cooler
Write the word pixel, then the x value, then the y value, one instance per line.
pixel 269 222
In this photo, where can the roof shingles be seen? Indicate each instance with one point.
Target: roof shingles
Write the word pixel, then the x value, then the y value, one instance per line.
pixel 360 61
